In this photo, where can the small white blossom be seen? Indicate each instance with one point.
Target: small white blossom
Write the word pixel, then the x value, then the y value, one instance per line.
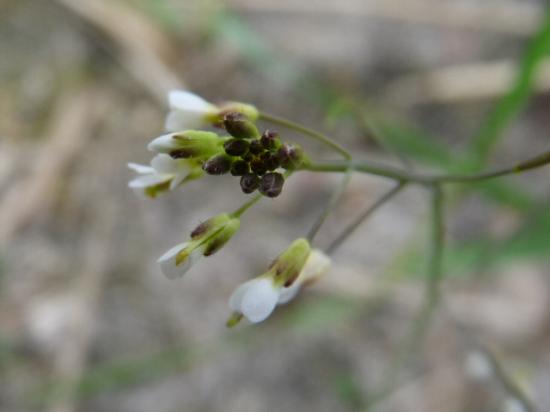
pixel 188 111
pixel 168 262
pixel 478 365
pixel 255 299
pixel 209 237
pixel 163 171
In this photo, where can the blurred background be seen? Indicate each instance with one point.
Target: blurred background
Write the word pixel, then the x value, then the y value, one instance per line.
pixel 88 323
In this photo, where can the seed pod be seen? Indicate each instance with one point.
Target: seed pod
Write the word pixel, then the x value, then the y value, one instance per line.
pixel 239 126
pixel 256 147
pixel 217 165
pixel 239 168
pixel 271 184
pixel 258 166
pixel 270 140
pixel 236 147
pixel 249 182
pixel 290 156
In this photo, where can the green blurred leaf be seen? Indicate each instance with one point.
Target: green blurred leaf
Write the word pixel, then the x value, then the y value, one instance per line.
pixel 512 103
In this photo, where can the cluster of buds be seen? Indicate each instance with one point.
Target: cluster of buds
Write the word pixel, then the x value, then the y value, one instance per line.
pixel 257 159
pixel 260 160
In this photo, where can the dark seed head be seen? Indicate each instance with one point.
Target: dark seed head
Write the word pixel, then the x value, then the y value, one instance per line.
pixel 239 126
pixel 236 147
pixel 290 156
pixel 270 140
pixel 271 184
pixel 217 165
pixel 239 168
pixel 256 147
pixel 249 182
pixel 248 157
pixel 258 166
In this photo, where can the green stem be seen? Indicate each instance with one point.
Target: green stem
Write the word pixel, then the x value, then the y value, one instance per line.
pixel 352 227
pixel 306 131
pixel 401 175
pixel 335 197
pixel 246 206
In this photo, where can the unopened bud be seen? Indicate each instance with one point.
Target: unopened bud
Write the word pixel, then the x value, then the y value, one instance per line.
pixel 249 183
pixel 256 147
pixel 271 184
pixel 217 165
pixel 270 140
pixel 239 168
pixel 258 166
pixel 217 241
pixel 271 160
pixel 239 126
pixel 236 147
pixel 290 156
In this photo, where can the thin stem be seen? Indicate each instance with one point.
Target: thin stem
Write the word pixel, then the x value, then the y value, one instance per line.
pixel 246 206
pixel 329 206
pixel 352 227
pixel 401 175
pixel 306 131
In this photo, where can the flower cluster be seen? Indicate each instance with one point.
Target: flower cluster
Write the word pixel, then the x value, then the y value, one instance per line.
pixel 261 160
pixel 186 153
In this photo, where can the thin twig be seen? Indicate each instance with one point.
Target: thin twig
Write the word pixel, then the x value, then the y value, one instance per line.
pixel 353 226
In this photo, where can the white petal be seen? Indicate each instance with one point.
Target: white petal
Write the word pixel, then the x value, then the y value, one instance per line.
pixel 141 169
pixel 236 298
pixel 178 178
pixel 163 144
pixel 184 100
pixel 178 120
pixel 259 300
pixel 316 265
pixel 168 261
pixel 287 294
pixel 145 181
pixel 164 164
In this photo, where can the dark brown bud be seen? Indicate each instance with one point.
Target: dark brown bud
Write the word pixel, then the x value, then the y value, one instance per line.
pixel 270 160
pixel 270 140
pixel 258 166
pixel 181 153
pixel 239 168
pixel 248 157
pixel 236 147
pixel 271 184
pixel 217 165
pixel 256 147
pixel 249 182
pixel 290 156
pixel 239 126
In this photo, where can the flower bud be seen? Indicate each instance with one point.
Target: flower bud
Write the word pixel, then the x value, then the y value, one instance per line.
pixel 187 144
pixel 249 183
pixel 236 147
pixel 270 160
pixel 239 126
pixel 246 109
pixel 286 268
pixel 270 140
pixel 256 147
pixel 217 165
pixel 217 241
pixel 239 168
pixel 271 184
pixel 290 156
pixel 258 167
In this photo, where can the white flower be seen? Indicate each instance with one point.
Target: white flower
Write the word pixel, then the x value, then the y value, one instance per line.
pixel 209 237
pixel 188 111
pixel 169 264
pixel 255 299
pixel 164 173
